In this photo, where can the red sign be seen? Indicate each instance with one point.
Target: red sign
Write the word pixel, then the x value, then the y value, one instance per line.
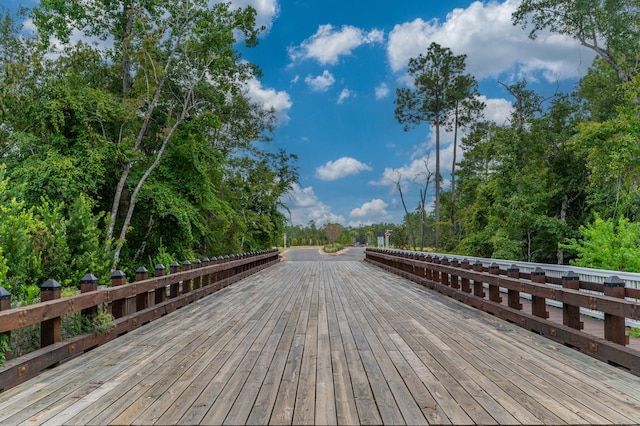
pixel 387 234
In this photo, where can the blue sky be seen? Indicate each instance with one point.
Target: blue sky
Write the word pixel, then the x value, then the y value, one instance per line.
pixel 331 68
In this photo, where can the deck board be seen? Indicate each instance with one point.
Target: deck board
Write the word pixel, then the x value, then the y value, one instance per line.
pixel 327 343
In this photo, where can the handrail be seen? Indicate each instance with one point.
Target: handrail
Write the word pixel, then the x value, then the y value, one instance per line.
pixel 466 282
pixel 132 305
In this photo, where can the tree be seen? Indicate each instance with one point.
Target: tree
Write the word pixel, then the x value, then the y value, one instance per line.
pixel 184 61
pixel 333 231
pixel 438 78
pixel 608 27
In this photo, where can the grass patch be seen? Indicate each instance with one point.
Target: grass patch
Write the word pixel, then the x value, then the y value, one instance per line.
pixel 333 248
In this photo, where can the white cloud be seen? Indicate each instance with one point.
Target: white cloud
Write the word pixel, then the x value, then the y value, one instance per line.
pixel 320 83
pixel 346 93
pixel 375 208
pixel 328 44
pixel 340 168
pixel 382 91
pixel 269 98
pixel 305 206
pixel 493 45
pixel 266 10
pixel 497 110
pixel 417 170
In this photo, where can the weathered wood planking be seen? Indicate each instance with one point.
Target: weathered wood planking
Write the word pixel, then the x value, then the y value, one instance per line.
pixel 327 343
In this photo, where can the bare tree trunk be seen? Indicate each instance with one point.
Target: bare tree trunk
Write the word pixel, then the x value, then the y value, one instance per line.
pixel 141 133
pixel 136 191
pixel 453 171
pixel 437 205
pixel 406 212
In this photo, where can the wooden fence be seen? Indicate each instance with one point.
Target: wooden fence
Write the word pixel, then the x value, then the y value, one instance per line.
pixel 483 286
pixel 131 304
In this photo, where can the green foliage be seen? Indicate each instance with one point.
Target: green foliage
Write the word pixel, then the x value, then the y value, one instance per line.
pixel 333 248
pixel 607 244
pixel 4 348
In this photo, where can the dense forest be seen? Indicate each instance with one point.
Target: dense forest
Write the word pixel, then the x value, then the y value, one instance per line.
pixel 135 147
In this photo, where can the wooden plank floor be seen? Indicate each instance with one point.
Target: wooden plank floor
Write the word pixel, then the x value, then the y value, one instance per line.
pixel 327 343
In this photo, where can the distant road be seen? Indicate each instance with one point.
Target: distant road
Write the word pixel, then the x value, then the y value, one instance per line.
pixel 353 254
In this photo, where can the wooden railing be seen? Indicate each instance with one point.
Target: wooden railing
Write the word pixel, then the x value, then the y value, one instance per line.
pixel 131 304
pixel 482 286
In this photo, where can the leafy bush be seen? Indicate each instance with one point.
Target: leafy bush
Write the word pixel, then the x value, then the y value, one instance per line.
pixel 607 244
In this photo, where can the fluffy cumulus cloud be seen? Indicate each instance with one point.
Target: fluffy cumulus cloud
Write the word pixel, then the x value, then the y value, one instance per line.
pixel 320 83
pixel 346 93
pixel 493 45
pixel 382 91
pixel 373 208
pixel 340 168
pixel 328 43
pixel 269 98
pixel 304 206
pixel 497 110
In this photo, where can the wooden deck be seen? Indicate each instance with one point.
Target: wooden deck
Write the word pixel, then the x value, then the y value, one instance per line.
pixel 327 343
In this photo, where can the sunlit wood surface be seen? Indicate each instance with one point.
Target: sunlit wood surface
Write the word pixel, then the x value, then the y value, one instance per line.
pixel 327 343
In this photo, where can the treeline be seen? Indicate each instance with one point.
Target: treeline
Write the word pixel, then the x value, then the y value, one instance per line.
pixel 558 182
pixel 137 146
pixel 330 233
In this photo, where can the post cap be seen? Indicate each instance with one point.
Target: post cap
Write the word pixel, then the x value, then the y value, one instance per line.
pixel 197 262
pixel 477 263
pixel 494 266
pixel 614 281
pixel 465 261
pixel 186 263
pixel 206 259
pixel 88 279
pixel 118 274
pixel 142 270
pixel 174 264
pixel 538 271
pixel 50 285
pixel 570 276
pixel 160 267
pixel 513 268
pixel 4 294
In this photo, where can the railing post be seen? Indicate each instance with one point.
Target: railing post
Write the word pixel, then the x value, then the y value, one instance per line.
pixel 571 314
pixel 434 272
pixel 444 276
pixel 142 299
pixel 455 281
pixel 186 284
pixel 89 283
pixel 428 270
pixel 614 327
pixel 466 284
pixel 227 272
pixel 478 287
pixel 513 296
pixel 5 303
pixel 494 290
pixel 206 280
pixel 118 307
pixel 174 288
pixel 539 304
pixel 160 293
pixel 197 281
pixel 50 330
